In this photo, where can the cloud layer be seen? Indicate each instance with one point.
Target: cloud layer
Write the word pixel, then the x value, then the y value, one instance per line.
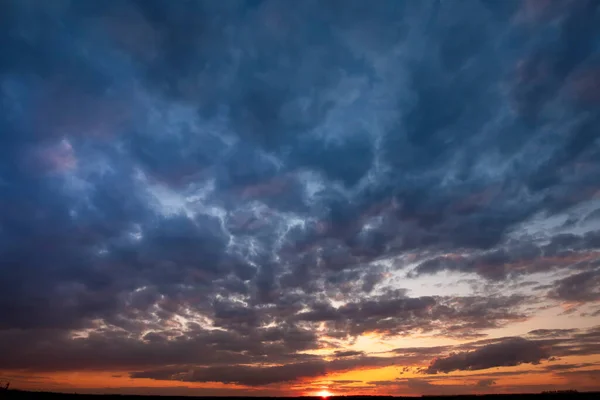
pixel 217 191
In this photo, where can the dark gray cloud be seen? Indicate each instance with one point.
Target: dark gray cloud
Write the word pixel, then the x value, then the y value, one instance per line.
pixel 568 367
pixel 580 287
pixel 591 374
pixel 128 340
pixel 227 357
pixel 509 352
pixel 551 333
pixel 229 176
pixel 116 350
pixel 484 383
pixel 514 259
pixel 347 353
pixel 259 375
pixel 239 374
pixel 394 314
pixel 540 345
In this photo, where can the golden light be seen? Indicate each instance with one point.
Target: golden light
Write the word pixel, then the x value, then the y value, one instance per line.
pixel 324 394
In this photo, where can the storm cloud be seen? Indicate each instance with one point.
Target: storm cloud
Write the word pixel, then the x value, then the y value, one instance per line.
pixel 206 190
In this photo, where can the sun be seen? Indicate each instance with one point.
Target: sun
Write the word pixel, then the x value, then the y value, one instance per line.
pixel 324 394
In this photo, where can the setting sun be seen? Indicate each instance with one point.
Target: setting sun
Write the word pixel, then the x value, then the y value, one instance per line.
pixel 324 394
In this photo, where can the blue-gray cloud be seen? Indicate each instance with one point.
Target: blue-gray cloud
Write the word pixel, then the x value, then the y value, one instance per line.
pixel 235 165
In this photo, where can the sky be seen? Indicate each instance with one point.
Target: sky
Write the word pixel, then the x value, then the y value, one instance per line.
pixel 282 197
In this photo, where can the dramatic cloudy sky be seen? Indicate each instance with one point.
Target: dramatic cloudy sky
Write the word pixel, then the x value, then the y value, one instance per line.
pixel 279 197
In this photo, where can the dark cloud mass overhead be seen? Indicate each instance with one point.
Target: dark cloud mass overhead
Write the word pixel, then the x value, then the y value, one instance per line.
pixel 238 191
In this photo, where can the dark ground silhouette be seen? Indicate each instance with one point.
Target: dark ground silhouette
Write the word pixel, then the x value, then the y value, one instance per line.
pixel 19 394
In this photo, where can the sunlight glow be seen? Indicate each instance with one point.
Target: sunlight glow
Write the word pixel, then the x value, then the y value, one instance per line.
pixel 324 394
